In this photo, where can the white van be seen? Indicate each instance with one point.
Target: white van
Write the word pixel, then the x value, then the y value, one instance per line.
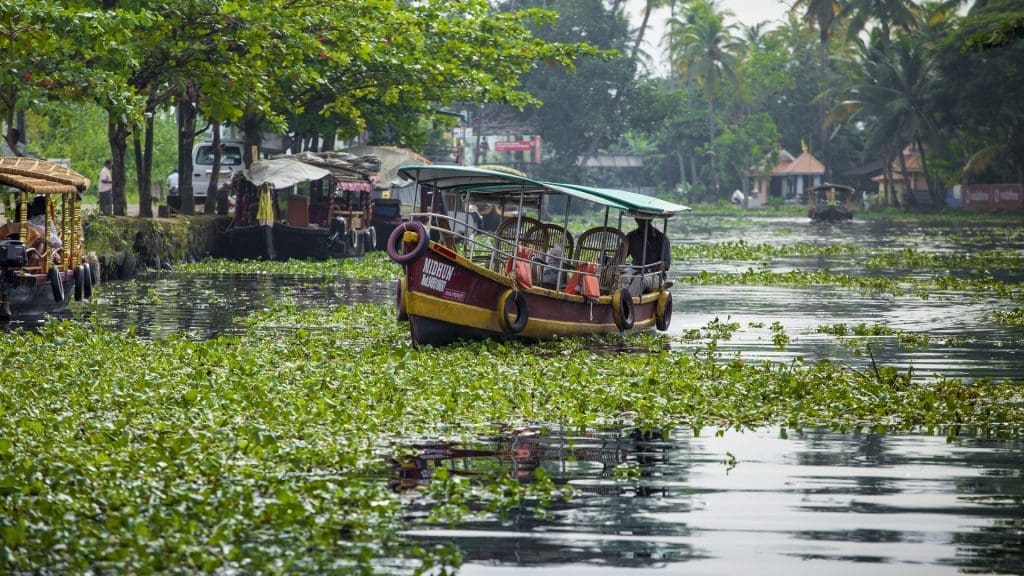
pixel 202 168
pixel 202 164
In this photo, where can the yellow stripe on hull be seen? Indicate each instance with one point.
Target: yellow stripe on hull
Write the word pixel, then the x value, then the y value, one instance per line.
pixel 485 319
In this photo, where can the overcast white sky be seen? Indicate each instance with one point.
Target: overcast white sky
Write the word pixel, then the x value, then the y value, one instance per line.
pixel 747 12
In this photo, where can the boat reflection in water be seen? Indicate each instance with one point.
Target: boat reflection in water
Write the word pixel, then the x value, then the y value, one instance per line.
pixel 740 503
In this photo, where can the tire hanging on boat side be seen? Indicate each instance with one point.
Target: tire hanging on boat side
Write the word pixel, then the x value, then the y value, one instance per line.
pixel 403 288
pixel 522 312
pixel 79 282
pixel 663 310
pixel 622 309
pixel 57 284
pixel 87 287
pixel 397 240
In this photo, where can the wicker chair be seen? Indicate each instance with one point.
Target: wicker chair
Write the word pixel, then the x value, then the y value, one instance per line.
pixel 559 242
pixel 533 236
pixel 607 247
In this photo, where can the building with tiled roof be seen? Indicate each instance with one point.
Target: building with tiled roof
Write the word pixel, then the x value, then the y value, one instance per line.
pixel 789 178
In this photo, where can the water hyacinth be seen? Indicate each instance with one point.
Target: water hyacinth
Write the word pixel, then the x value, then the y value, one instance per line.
pixel 262 452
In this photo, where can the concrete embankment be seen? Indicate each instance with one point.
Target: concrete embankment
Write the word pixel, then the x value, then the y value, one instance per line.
pixel 123 245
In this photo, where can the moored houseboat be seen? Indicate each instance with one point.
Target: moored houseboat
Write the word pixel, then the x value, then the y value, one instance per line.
pixel 41 256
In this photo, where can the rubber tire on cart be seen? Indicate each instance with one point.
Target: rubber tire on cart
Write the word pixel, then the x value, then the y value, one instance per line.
pixel 56 284
pixel 398 237
pixel 522 312
pixel 663 310
pixel 403 288
pixel 79 282
pixel 622 309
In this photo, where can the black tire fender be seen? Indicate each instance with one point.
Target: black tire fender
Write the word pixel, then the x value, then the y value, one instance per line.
pixel 87 287
pixel 396 242
pixel 508 325
pixel 663 311
pixel 622 309
pixel 403 289
pixel 79 282
pixel 57 284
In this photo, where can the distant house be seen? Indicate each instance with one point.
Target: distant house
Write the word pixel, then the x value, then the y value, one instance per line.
pixel 918 185
pixel 790 178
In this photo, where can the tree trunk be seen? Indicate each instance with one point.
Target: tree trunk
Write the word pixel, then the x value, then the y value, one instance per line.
pixel 144 169
pixel 186 138
pixel 117 134
pixel 934 191
pixel 822 129
pixel 711 143
pixel 251 125
pixel 214 184
pixel 906 181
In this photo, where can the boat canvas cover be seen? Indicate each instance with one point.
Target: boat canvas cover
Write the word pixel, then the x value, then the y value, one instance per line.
pixel 283 172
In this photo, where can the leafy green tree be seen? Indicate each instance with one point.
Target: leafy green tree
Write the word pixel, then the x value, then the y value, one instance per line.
pixel 704 49
pixel 743 147
pixel 859 13
pixel 978 99
pixel 822 14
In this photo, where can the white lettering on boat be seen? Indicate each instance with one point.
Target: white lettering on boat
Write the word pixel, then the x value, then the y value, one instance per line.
pixel 436 274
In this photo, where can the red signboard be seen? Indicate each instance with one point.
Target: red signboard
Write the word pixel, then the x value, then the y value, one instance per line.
pixel 518 146
pixel 993 197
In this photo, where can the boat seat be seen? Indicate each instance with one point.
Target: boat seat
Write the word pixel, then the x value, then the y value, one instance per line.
pixel 607 247
pixel 560 247
pixel 533 236
pixel 441 232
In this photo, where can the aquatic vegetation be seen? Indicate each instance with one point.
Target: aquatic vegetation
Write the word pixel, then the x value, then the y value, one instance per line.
pixel 857 337
pixel 262 452
pixel 741 250
pixel 921 287
pixel 1012 317
pixel 374 265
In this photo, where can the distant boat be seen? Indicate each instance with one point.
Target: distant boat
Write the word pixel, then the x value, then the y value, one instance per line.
pixel 41 263
pixel 830 203
pixel 531 278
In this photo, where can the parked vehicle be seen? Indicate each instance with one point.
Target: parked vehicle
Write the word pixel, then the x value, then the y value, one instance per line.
pixel 532 277
pixel 41 263
pixel 305 206
pixel 202 169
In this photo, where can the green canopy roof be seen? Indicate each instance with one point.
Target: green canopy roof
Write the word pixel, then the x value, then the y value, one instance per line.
pixel 480 182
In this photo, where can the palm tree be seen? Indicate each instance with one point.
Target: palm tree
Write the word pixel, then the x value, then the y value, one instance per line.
pixel 703 48
pixel 823 14
pixel 902 13
pixel 889 96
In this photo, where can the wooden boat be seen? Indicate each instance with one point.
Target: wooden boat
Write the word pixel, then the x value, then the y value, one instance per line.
pixel 41 263
pixel 830 203
pixel 532 278
pixel 305 206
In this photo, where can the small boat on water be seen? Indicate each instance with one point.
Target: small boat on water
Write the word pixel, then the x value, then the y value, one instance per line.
pixel 830 203
pixel 303 206
pixel 41 257
pixel 536 276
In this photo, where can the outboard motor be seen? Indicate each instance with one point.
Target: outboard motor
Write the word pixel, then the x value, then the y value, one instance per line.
pixel 12 254
pixel 337 231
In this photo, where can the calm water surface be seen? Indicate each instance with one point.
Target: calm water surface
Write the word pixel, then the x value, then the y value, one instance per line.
pixel 744 503
pixel 754 502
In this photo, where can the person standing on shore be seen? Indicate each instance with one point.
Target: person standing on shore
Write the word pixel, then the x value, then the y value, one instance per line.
pixel 105 186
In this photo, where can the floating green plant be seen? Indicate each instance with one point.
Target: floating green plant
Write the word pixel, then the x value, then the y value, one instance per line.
pixel 1011 317
pixel 262 452
pixel 374 265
